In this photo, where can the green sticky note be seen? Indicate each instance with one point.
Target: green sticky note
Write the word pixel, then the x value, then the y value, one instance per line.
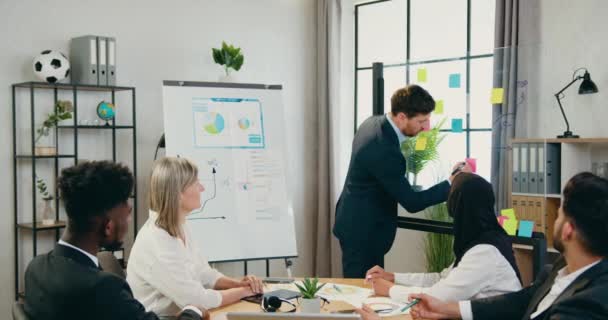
pixel 438 107
pixel 508 213
pixel 420 144
pixel 421 75
pixel 510 226
pixel 497 95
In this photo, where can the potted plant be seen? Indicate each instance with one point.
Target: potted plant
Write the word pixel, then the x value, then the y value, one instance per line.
pixel 308 289
pixel 44 142
pixel 437 246
pixel 46 212
pixel 416 160
pixel 229 57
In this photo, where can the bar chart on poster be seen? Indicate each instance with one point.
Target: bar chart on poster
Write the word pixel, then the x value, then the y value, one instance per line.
pixel 235 135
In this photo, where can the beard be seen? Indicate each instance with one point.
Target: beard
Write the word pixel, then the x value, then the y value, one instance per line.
pixel 557 240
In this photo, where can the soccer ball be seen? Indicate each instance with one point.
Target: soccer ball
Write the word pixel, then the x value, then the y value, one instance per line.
pixel 51 66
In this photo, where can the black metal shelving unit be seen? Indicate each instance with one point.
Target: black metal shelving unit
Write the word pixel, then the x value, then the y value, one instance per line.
pixel 34 226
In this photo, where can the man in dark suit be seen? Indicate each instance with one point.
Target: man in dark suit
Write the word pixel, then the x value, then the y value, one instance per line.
pixel 366 213
pixel 576 287
pixel 67 283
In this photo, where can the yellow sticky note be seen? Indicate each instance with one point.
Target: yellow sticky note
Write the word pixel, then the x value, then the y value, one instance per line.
pixel 420 144
pixel 510 226
pixel 421 75
pixel 439 107
pixel 497 95
pixel 510 213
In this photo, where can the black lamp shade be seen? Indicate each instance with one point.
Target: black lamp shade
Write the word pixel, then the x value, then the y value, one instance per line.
pixel 587 86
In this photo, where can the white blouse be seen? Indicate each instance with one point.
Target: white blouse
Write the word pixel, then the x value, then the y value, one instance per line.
pixel 166 275
pixel 482 272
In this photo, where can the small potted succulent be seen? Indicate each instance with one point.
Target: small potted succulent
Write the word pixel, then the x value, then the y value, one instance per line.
pixel 230 58
pixel 46 211
pixel 309 288
pixel 44 142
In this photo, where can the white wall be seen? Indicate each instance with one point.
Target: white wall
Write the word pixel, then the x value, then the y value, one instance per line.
pixel 556 38
pixel 159 40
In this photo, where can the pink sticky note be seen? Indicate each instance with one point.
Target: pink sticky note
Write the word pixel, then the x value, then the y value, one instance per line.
pixel 501 220
pixel 472 162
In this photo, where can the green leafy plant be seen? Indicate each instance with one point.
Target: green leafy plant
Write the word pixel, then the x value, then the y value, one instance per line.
pixel 438 249
pixel 42 188
pixel 309 288
pixel 416 160
pixel 63 111
pixel 229 57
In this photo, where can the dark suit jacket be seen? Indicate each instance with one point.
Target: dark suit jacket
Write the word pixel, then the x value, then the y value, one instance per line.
pixel 366 212
pixel 585 298
pixel 65 284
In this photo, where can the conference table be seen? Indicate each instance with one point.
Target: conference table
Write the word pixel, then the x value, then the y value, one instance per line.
pixel 244 306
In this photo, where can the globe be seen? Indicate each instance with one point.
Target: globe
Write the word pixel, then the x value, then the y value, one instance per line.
pixel 106 111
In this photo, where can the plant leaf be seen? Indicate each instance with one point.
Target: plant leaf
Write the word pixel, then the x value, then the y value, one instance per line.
pixel 218 57
pixel 237 63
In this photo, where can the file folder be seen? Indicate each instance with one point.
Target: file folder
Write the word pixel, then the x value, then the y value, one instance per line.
pixel 516 170
pixel 524 156
pixel 532 182
pixel 553 168
pixel 102 61
pixel 83 60
pixel 541 168
pixel 111 56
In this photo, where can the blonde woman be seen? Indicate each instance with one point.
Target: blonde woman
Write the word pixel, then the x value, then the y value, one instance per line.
pixel 166 270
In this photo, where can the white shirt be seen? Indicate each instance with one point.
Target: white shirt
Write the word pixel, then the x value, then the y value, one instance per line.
pixel 92 257
pixel 166 275
pixel 482 272
pixel 562 281
pixel 400 136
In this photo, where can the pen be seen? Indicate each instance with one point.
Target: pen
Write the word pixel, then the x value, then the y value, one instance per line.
pixel 337 288
pixel 409 305
pixel 460 166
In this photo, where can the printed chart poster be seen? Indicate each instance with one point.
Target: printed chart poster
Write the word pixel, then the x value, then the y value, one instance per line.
pixel 230 123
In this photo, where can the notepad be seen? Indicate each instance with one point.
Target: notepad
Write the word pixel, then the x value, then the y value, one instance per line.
pixel 454 80
pixel 422 75
pixel 456 125
pixel 497 95
pixel 510 213
pixel 510 225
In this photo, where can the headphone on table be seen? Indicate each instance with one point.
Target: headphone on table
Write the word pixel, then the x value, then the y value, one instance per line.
pixel 273 304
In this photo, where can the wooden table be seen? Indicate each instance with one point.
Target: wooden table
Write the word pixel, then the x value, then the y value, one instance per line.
pixel 243 306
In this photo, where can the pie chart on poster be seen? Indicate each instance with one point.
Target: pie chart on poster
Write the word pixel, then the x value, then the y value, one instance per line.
pixel 213 123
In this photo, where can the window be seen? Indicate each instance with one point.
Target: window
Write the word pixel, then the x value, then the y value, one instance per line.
pixel 448 42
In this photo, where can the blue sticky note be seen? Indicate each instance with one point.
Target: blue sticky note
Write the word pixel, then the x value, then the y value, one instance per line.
pixel 455 80
pixel 525 228
pixel 456 125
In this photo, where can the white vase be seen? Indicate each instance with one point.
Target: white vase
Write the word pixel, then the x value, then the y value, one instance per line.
pixel 46 213
pixel 310 305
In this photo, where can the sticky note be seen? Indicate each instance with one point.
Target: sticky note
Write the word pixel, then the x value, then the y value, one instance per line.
pixel 501 220
pixel 472 162
pixel 438 107
pixel 525 228
pixel 454 80
pixel 420 144
pixel 508 213
pixel 510 226
pixel 422 75
pixel 456 125
pixel 497 95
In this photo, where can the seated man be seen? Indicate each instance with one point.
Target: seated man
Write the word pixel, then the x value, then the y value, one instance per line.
pixel 577 285
pixel 67 283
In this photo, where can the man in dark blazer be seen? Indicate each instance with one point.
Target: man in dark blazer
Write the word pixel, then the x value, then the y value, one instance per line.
pixel 576 287
pixel 67 283
pixel 366 213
